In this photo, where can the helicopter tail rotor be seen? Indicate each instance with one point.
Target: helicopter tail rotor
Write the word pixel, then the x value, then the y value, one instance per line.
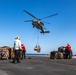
pixel 44 31
pixel 28 20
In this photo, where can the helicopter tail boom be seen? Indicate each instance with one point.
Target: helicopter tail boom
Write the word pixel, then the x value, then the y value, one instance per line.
pixel 45 32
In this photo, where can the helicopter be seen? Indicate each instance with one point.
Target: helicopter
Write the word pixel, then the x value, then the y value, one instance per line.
pixel 37 22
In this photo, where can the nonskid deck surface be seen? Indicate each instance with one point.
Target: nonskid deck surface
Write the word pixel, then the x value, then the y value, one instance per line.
pixel 39 66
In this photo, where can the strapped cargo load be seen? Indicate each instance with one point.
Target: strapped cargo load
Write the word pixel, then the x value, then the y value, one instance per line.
pixel 37 48
pixel 4 52
pixel 61 53
pixel 8 53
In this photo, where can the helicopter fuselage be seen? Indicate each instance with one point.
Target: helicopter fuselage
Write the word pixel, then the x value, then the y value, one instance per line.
pixel 38 24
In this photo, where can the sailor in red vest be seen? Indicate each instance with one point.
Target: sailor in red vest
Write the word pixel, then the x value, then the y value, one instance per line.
pixel 69 51
pixel 23 51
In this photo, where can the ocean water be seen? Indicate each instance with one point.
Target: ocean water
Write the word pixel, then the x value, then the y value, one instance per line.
pixel 40 55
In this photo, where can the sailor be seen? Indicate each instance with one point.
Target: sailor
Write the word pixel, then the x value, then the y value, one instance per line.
pixel 68 50
pixel 23 51
pixel 17 48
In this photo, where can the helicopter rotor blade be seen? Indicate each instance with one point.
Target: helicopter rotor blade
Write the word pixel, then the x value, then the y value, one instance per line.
pixel 50 16
pixel 28 21
pixel 29 14
pixel 47 22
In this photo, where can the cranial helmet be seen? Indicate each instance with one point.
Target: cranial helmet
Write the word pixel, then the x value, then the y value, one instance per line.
pixel 68 43
pixel 18 37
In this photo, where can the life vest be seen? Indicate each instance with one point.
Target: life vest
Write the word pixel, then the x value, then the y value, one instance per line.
pixel 68 48
pixel 23 47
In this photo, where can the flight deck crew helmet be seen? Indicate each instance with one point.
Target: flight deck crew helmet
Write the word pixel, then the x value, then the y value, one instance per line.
pixel 68 43
pixel 17 38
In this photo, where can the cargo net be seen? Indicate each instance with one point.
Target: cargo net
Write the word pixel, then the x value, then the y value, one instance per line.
pixel 37 48
pixel 4 54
